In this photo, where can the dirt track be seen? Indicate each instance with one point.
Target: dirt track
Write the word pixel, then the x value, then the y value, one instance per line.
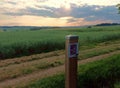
pixel 11 83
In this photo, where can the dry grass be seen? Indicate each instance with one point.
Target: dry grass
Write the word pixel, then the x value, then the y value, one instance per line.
pixel 17 67
pixel 15 70
pixel 25 80
pixel 12 61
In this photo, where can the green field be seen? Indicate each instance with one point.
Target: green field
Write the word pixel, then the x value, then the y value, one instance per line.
pixel 26 42
pixel 99 57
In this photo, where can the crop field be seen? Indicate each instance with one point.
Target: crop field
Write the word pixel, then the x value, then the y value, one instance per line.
pixel 20 43
pixel 36 58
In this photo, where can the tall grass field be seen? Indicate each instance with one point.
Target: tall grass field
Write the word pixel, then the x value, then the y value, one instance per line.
pixel 27 42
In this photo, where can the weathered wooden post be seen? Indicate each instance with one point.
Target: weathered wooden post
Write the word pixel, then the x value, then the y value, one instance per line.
pixel 71 61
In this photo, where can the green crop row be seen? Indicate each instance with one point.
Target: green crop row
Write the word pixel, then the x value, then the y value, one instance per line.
pixel 95 28
pixel 99 74
pixel 13 44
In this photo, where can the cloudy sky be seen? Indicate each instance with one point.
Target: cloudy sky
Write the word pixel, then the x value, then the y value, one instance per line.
pixel 57 12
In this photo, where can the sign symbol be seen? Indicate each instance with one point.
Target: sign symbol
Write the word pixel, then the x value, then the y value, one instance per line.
pixel 73 50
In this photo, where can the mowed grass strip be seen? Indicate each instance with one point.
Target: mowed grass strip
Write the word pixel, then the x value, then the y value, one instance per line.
pixel 16 70
pixel 22 69
pixel 98 74
pixel 19 60
pixel 85 52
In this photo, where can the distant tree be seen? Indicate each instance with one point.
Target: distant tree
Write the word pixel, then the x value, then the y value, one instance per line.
pixel 118 5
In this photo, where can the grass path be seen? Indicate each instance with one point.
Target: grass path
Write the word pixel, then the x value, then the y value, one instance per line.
pixel 110 46
pixel 17 67
pixel 25 79
pixel 25 69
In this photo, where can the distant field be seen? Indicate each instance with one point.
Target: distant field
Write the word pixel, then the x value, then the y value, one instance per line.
pixel 20 43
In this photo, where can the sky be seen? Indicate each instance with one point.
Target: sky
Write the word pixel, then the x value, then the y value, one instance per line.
pixel 58 12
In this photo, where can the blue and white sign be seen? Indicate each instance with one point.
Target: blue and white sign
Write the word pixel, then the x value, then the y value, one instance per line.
pixel 73 50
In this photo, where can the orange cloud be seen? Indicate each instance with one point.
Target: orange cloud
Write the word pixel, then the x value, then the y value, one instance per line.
pixel 83 22
pixel 32 21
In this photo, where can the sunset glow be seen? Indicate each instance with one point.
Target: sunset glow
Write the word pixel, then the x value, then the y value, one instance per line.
pixel 57 12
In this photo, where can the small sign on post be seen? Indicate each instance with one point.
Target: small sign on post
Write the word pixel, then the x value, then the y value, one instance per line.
pixel 73 49
pixel 71 61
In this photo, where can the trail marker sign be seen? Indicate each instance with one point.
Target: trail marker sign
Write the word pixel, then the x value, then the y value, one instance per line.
pixel 73 50
pixel 71 61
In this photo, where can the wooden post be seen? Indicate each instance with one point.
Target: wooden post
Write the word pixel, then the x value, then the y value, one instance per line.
pixel 71 61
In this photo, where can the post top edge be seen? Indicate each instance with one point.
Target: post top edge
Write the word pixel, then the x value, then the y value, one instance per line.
pixel 71 36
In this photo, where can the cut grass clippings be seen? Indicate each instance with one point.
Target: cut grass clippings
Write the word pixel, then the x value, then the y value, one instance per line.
pixel 34 67
pixel 98 74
